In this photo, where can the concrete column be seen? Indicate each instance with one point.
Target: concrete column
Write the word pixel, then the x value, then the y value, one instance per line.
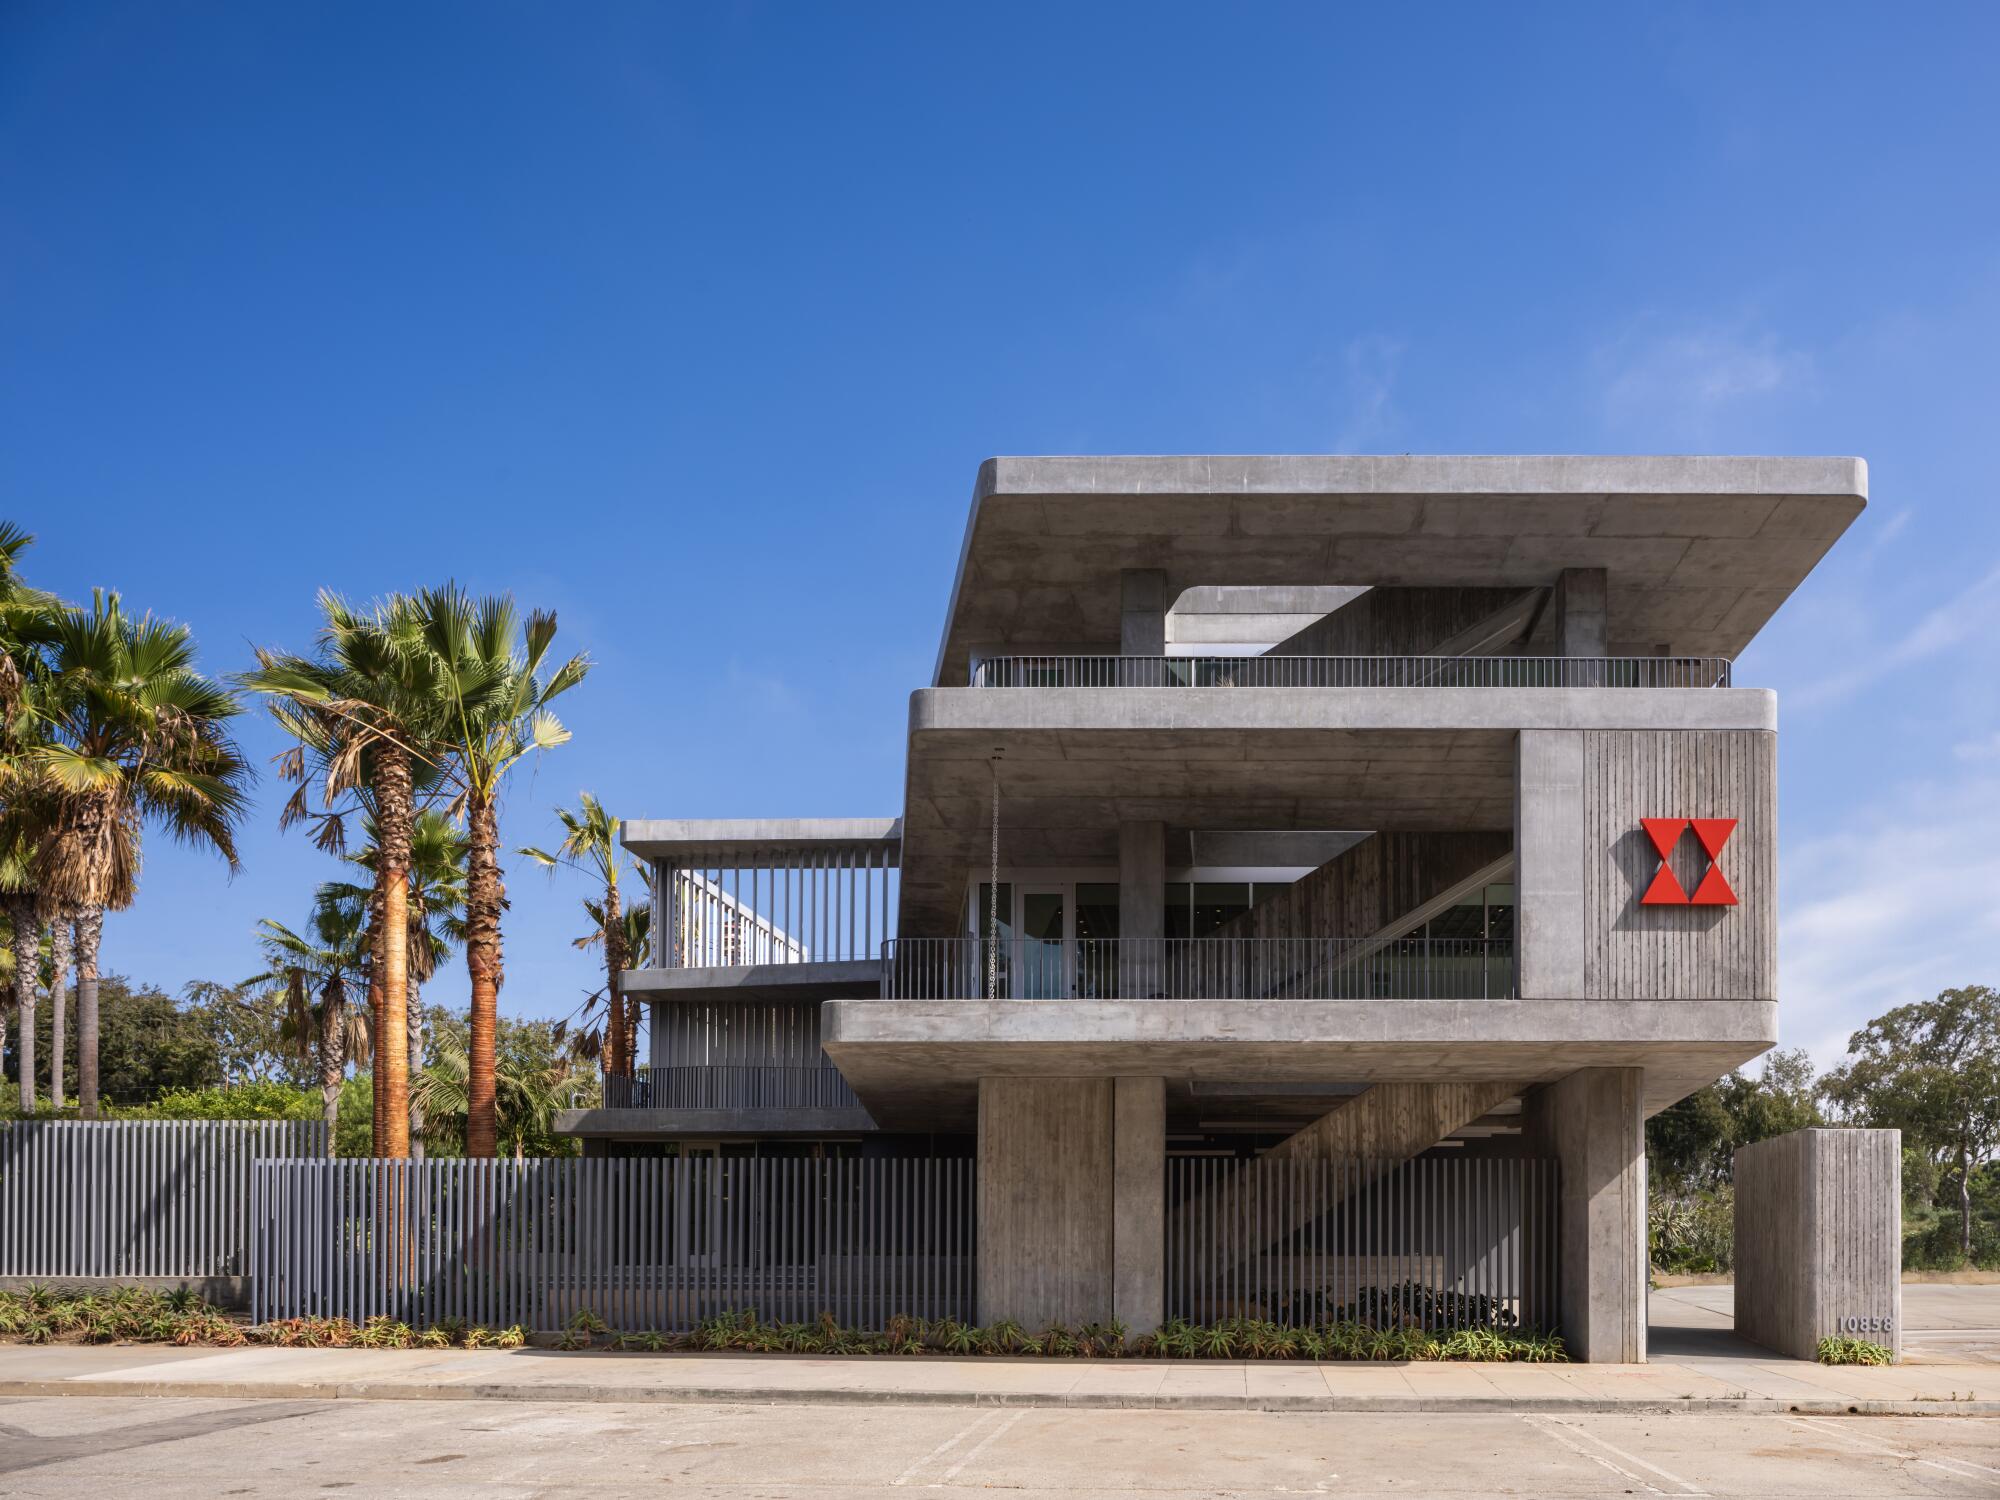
pixel 1142 601
pixel 1592 1123
pixel 1142 909
pixel 1139 1153
pixel 1549 865
pixel 1581 601
pixel 1047 1187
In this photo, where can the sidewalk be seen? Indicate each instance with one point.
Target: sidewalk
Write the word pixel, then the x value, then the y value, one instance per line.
pixel 1730 1381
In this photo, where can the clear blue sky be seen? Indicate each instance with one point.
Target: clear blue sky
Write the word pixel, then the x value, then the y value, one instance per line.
pixel 693 322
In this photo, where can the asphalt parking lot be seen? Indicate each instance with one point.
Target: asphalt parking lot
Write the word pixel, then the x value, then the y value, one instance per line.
pixel 163 1449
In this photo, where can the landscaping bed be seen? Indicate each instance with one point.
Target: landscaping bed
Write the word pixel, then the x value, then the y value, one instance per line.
pixel 53 1314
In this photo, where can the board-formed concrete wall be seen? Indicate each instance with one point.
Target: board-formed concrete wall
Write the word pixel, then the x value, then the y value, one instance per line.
pixel 1819 1239
pixel 1638 952
pixel 1583 861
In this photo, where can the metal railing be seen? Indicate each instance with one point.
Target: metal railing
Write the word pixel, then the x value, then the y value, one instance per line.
pixel 1199 969
pixel 729 1086
pixel 1351 671
pixel 127 1198
pixel 643 1243
pixel 775 905
pixel 1440 1242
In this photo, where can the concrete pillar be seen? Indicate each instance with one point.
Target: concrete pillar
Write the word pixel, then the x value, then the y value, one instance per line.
pixel 1819 1239
pixel 1592 1123
pixel 1139 1163
pixel 1142 909
pixel 1142 601
pixel 1549 865
pixel 1072 1200
pixel 1046 1190
pixel 1581 600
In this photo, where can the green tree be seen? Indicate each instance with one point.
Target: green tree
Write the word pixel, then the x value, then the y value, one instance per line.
pixel 133 734
pixel 246 1027
pixel 26 625
pixel 316 972
pixel 435 923
pixel 494 668
pixel 1691 1145
pixel 1932 1071
pixel 590 844
pixel 367 709
pixel 535 1079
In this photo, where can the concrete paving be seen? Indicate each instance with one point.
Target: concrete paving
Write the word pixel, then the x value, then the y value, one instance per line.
pixel 170 1449
pixel 1722 1378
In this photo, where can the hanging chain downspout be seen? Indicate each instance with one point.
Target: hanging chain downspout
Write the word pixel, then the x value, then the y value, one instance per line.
pixel 993 896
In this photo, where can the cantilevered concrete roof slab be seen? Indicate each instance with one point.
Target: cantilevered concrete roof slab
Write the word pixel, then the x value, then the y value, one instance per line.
pixel 1701 551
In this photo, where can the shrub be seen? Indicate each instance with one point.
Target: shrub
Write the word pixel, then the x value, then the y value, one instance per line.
pixel 1692 1235
pixel 1845 1350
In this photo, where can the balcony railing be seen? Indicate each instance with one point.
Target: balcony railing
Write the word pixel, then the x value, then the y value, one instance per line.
pixel 1351 671
pixel 730 1086
pixel 1199 969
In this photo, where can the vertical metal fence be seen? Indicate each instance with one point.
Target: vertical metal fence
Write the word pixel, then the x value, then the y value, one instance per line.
pixel 643 1243
pixel 135 1198
pixel 1439 1242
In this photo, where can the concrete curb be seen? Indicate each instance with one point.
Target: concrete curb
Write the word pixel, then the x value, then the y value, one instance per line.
pixel 688 1395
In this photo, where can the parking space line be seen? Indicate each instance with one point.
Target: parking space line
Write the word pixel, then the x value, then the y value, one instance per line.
pixel 1533 1420
pixel 1955 1467
pixel 944 1447
pixel 984 1443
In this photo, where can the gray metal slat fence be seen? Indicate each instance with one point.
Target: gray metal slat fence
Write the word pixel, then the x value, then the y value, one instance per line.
pixel 135 1198
pixel 657 1243
pixel 1442 1242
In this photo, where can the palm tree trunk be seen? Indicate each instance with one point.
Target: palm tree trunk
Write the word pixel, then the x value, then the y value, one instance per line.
pixel 485 895
pixel 394 813
pixel 616 1061
pixel 377 930
pixel 89 934
pixel 27 952
pixel 332 1058
pixel 416 1063
pixel 61 946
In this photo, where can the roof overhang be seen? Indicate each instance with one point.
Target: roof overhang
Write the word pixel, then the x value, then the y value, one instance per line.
pixel 1701 551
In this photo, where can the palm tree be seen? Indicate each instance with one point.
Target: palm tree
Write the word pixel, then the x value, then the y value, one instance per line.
pixel 492 667
pixel 436 922
pixel 317 970
pixel 636 935
pixel 365 709
pixel 134 733
pixel 527 1097
pixel 590 844
pixel 25 620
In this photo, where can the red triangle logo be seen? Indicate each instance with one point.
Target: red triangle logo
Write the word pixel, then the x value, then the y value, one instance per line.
pixel 1713 833
pixel 1713 890
pixel 1665 833
pixel 1665 890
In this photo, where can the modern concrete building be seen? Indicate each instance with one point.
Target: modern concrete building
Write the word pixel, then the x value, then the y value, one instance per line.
pixel 1293 809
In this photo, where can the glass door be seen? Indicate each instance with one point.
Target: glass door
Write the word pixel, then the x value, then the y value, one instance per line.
pixel 1044 972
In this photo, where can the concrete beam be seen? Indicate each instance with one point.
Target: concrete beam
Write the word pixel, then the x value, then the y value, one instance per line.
pixel 918 1062
pixel 1393 1122
pixel 1592 1122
